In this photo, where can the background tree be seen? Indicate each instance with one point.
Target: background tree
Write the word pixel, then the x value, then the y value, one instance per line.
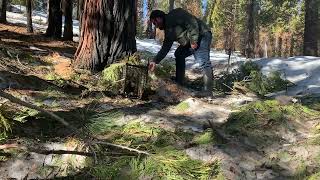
pixel 311 31
pixel 29 16
pixel 108 33
pixel 251 26
pixel 150 31
pixel 3 13
pixel 54 19
pixel 68 23
pixel 139 16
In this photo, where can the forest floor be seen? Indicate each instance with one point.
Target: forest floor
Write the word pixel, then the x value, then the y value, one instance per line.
pixel 236 135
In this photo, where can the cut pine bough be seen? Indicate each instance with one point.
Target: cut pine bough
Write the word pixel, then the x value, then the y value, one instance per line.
pixel 65 123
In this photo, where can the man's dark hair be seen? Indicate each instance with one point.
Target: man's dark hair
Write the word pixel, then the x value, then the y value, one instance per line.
pixel 157 13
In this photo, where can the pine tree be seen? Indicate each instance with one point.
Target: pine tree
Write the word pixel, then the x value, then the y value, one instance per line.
pixel 108 33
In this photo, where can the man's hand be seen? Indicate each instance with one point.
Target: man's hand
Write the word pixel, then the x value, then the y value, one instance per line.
pixel 152 66
pixel 194 46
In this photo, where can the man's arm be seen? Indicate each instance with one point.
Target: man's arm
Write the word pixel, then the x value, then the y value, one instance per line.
pixel 166 46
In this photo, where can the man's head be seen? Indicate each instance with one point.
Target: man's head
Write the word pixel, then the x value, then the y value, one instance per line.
pixel 157 18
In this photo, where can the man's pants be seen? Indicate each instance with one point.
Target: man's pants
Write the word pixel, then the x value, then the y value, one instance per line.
pixel 201 55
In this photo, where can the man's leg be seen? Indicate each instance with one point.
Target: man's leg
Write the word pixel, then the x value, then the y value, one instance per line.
pixel 181 53
pixel 202 55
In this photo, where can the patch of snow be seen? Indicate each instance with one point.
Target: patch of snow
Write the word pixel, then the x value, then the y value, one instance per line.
pixel 303 71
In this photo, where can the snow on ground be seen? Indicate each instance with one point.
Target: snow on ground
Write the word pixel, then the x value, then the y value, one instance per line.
pixel 304 71
pixel 39 19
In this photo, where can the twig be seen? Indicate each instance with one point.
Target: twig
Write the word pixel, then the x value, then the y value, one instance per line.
pixel 122 147
pixel 47 152
pixel 228 86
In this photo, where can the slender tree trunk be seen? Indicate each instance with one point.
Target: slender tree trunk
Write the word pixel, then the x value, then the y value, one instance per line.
pixel 68 27
pixel 107 34
pixel 250 34
pixel 292 45
pixel 29 16
pixel 3 13
pixel 279 48
pixel 171 5
pixel 54 19
pixel 80 11
pixel 150 32
pixel 139 18
pixel 311 31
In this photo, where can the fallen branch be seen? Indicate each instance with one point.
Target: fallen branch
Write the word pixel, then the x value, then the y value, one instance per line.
pixel 47 152
pixel 62 121
pixel 23 103
pixel 122 147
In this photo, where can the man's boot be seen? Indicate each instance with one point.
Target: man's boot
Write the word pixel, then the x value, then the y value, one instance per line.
pixel 207 79
pixel 207 83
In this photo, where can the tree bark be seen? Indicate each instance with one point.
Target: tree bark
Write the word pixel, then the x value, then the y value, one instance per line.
pixel 150 32
pixel 139 18
pixel 80 11
pixel 171 5
pixel 250 25
pixel 3 13
pixel 68 27
pixel 311 31
pixel 54 19
pixel 107 33
pixel 29 16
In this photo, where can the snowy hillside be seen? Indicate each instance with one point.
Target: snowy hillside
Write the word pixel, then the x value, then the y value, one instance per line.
pixel 303 71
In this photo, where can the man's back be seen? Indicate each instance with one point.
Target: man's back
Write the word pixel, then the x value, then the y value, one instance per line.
pixel 183 27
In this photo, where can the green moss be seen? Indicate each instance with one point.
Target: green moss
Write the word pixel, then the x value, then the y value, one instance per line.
pixel 315 176
pixel 183 106
pixel 252 120
pixel 206 137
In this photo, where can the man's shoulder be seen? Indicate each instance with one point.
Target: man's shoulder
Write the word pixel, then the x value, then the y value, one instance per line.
pixel 177 11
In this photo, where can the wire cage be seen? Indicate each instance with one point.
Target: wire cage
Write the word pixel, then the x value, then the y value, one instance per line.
pixel 135 80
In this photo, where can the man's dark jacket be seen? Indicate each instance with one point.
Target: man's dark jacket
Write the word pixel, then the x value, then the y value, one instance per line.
pixel 181 26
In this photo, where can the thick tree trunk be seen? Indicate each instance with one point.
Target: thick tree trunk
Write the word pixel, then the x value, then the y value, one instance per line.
pixel 68 28
pixel 3 13
pixel 107 34
pixel 250 34
pixel 29 16
pixel 171 5
pixel 311 31
pixel 54 19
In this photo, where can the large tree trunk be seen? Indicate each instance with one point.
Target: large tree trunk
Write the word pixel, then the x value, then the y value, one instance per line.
pixel 3 13
pixel 29 16
pixel 250 33
pixel 171 5
pixel 107 34
pixel 311 31
pixel 54 19
pixel 68 28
